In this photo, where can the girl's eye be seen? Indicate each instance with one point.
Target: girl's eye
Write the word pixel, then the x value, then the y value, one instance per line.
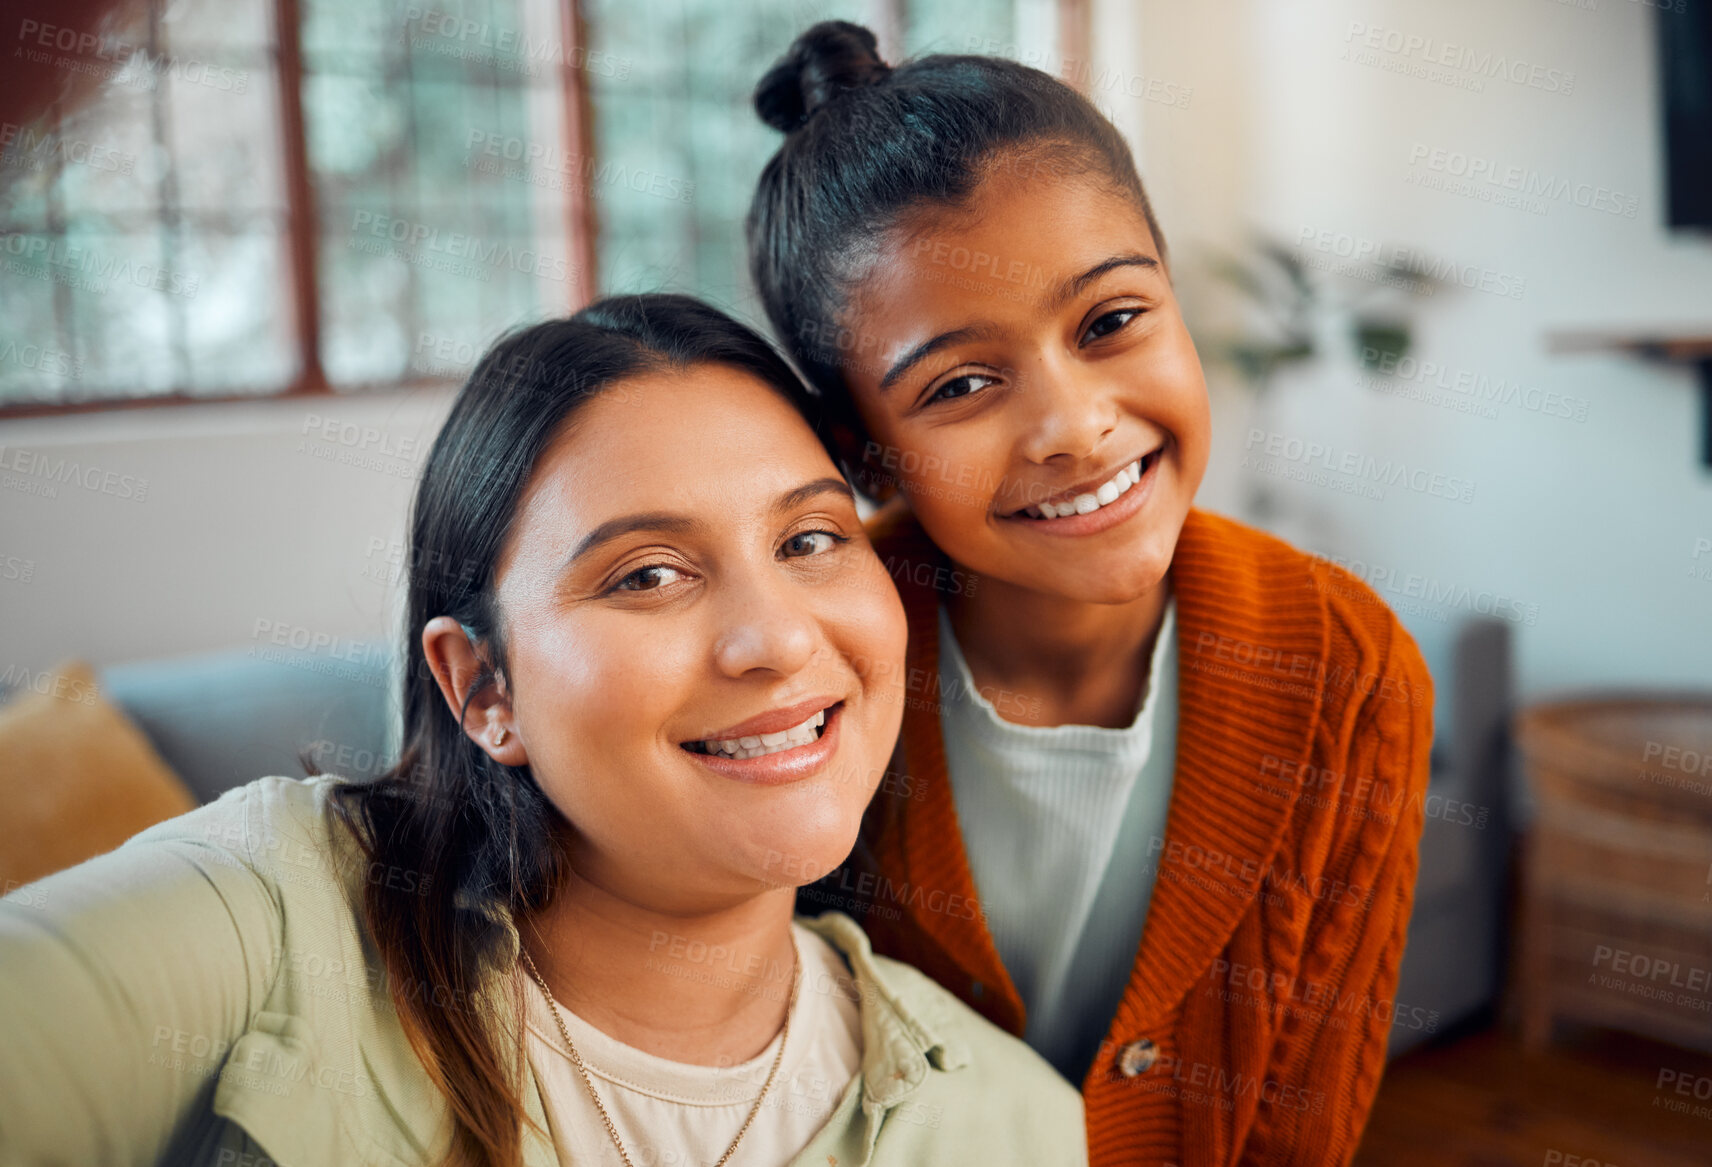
pixel 647 579
pixel 1111 322
pixel 806 543
pixel 963 386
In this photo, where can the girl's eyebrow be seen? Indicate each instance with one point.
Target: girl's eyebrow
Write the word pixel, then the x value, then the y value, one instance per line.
pixel 1066 292
pixel 928 347
pixel 1073 286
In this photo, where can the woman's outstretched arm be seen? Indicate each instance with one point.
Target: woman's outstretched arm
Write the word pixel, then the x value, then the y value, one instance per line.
pixel 123 983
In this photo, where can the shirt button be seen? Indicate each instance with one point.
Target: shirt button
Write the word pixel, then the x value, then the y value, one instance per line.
pixel 1137 1058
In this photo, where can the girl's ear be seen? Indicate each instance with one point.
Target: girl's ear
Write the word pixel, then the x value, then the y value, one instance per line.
pixel 459 667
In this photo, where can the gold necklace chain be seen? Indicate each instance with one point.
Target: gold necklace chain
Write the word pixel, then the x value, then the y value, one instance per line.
pixel 576 1058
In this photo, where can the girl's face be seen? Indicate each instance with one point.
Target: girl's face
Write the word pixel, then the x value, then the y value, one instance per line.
pixel 1032 356
pixel 687 577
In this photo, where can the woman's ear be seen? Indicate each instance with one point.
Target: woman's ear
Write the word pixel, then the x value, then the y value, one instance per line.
pixel 458 667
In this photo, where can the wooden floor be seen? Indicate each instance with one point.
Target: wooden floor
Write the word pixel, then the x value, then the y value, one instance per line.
pixel 1479 1101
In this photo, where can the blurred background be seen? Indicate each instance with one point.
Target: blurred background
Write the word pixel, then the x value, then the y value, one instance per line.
pixel 1448 268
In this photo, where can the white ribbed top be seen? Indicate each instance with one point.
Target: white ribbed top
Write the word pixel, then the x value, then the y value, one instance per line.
pixel 1060 824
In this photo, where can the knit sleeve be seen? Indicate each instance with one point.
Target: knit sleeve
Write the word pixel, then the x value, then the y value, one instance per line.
pixel 1329 1052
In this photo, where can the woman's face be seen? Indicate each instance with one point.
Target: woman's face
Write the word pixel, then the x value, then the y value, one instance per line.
pixel 688 577
pixel 1031 351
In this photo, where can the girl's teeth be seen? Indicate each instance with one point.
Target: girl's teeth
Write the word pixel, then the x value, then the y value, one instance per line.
pixel 1109 492
pixel 757 745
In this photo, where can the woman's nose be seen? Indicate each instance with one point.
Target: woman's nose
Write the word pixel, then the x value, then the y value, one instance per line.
pixel 765 624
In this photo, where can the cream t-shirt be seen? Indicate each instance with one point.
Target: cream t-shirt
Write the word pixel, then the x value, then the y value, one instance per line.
pixel 674 1114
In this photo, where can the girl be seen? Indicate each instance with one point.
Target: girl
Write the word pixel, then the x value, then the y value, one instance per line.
pixel 1178 768
pixel 653 684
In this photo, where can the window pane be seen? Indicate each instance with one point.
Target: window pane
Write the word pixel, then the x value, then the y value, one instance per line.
pixel 156 210
pixel 222 28
pixel 678 144
pixel 437 146
pixel 236 338
pixel 102 161
pixel 227 145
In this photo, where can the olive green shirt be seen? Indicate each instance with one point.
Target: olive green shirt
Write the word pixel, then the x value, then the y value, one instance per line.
pixel 208 994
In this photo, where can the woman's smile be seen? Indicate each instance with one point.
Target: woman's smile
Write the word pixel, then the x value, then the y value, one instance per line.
pixel 774 757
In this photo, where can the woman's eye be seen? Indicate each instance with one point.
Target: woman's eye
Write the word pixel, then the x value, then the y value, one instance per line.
pixel 1111 322
pixel 963 386
pixel 647 579
pixel 812 543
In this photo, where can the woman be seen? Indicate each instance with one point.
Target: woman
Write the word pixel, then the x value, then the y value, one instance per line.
pixel 653 684
pixel 1178 764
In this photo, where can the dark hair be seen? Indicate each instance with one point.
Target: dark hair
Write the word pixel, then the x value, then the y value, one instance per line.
pixel 865 143
pixel 480 835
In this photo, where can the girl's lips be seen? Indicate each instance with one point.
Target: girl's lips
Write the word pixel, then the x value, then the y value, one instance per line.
pixel 1108 516
pixel 786 766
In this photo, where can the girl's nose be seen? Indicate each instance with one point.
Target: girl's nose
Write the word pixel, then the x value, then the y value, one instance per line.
pixel 1071 411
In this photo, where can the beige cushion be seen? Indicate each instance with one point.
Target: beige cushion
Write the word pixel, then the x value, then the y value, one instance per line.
pixel 77 778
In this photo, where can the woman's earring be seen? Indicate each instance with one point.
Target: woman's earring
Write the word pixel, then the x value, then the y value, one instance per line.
pixel 499 739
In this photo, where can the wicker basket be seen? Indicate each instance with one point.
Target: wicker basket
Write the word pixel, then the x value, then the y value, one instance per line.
pixel 1617 896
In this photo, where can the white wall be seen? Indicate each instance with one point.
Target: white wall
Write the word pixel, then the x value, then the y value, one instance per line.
pixel 290 512
pixel 1588 527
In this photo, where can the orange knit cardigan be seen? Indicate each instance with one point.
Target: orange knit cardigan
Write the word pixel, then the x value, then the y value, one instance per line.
pixel 1254 1023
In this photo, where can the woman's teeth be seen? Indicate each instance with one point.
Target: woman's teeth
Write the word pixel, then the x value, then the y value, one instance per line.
pixel 1108 493
pixel 756 745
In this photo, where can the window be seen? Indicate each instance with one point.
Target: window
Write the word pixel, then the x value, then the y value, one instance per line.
pixel 148 242
pixel 678 142
pixel 274 196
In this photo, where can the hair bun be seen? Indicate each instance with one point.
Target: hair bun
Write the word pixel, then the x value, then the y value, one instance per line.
pixel 828 59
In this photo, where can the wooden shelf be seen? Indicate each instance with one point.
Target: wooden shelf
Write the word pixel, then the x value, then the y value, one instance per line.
pixel 1690 345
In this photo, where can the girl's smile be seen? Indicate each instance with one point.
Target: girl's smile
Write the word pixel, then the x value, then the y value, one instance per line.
pixel 1088 508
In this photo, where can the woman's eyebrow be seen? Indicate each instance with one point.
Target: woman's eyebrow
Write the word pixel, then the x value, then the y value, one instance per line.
pixel 682 524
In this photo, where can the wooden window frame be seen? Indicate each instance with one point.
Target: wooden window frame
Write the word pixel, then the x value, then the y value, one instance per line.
pixel 582 222
pixel 302 236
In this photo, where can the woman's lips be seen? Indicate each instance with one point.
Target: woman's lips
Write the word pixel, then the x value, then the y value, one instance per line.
pixel 786 766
